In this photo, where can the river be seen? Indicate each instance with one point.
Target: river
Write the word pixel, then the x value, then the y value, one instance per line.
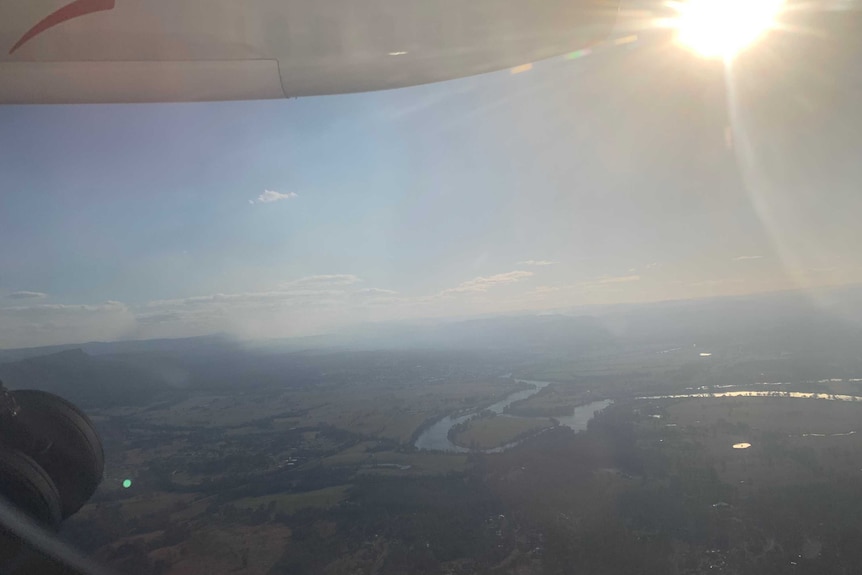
pixel 436 437
pixel 787 394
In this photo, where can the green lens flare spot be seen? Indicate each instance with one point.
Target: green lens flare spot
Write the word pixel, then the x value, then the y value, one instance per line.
pixel 127 483
pixel 578 54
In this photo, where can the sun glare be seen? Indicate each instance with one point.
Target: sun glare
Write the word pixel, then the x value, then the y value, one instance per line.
pixel 723 28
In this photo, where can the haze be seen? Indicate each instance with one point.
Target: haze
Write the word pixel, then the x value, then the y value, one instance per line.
pixel 618 176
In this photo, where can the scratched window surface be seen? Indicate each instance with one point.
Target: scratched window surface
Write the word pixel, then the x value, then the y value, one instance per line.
pixel 598 313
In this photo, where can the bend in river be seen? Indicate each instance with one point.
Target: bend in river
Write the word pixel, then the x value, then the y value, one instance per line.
pixel 436 437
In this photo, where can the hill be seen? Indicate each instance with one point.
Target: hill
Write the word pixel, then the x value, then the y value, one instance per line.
pixel 83 379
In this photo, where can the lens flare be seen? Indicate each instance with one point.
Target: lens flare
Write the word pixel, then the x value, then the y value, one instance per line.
pixel 723 28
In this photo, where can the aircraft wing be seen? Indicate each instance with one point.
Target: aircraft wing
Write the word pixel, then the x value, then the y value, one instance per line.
pixel 100 51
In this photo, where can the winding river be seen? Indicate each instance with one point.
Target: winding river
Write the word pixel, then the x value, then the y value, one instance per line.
pixel 436 437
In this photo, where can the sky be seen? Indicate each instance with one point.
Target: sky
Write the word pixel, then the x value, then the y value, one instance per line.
pixel 636 173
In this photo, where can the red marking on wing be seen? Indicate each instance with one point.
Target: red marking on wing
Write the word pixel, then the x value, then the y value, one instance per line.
pixel 67 12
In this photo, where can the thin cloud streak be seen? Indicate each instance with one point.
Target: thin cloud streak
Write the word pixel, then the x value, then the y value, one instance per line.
pixel 365 292
pixel 618 279
pixel 325 280
pixel 27 295
pixel 482 284
pixel 537 263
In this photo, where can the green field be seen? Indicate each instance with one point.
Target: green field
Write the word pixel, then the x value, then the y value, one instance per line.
pixel 490 432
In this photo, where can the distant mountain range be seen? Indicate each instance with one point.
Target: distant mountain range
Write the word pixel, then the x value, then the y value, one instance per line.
pixel 825 325
pixel 82 379
pixel 527 332
pixel 790 317
pixel 792 320
pixel 180 345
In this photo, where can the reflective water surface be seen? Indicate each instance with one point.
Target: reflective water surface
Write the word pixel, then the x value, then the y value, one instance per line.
pixel 436 437
pixel 749 393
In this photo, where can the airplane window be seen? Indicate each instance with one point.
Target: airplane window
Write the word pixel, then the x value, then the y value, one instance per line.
pixel 598 312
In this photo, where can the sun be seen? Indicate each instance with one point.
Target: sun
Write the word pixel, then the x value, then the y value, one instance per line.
pixel 723 28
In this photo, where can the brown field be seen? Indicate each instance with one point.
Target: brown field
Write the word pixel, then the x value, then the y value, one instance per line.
pixel 291 502
pixel 384 462
pixel 220 549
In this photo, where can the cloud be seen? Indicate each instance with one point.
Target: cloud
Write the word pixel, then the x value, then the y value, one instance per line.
pixel 544 290
pixel 108 306
pixel 743 258
pixel 618 279
pixel 323 281
pixel 483 284
pixel 709 283
pixel 269 196
pixel 537 263
pixel 27 295
pixel 312 304
pixel 162 317
pixel 235 299
pixel 606 282
pixel 369 292
pixel 47 324
pixel 377 297
pixel 305 293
